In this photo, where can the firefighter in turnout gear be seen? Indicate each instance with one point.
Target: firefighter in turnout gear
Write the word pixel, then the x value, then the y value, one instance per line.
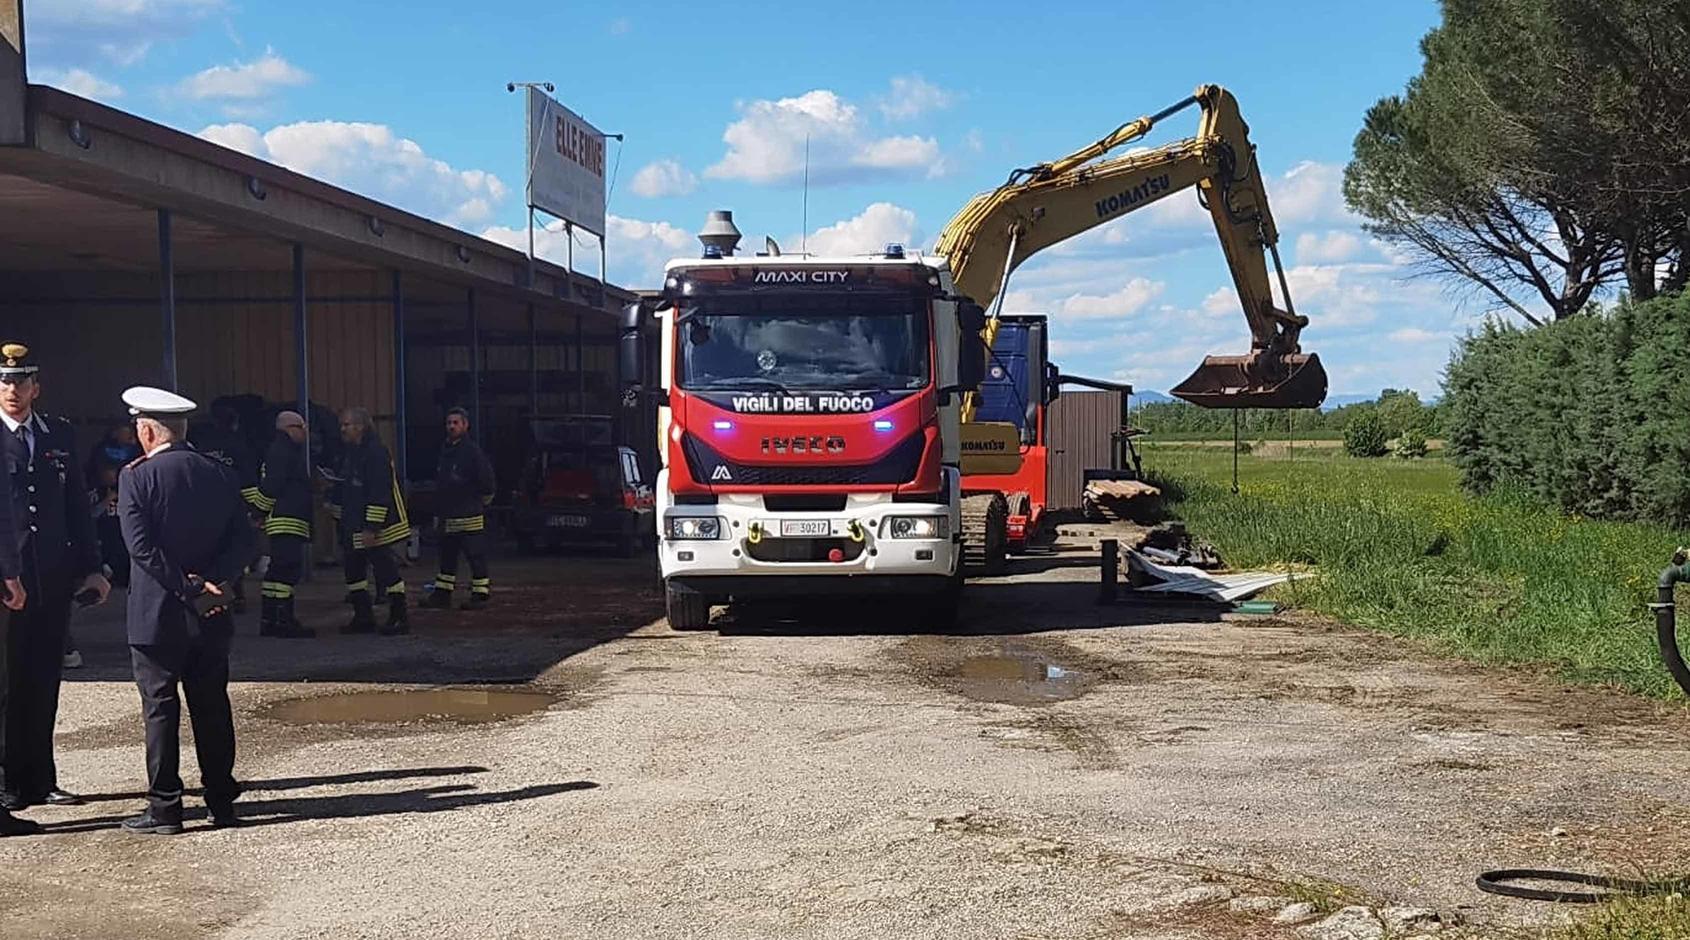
pixel 463 486
pixel 283 496
pixel 372 521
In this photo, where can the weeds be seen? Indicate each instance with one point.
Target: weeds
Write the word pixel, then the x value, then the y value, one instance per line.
pixel 1655 918
pixel 1400 549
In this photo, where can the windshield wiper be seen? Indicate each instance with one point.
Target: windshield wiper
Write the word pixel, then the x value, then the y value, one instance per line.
pixel 767 385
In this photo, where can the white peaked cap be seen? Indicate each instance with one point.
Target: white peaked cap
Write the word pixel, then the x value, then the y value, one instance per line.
pixel 146 400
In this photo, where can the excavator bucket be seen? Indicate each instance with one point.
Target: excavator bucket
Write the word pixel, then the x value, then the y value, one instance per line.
pixel 1256 381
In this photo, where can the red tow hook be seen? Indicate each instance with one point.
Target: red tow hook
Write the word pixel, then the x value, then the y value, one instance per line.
pixel 836 555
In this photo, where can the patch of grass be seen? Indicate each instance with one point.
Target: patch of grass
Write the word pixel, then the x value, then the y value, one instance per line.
pixel 1399 548
pixel 1656 918
pixel 1328 897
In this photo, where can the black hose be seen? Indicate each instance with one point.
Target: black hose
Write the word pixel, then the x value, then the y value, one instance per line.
pixel 1496 882
pixel 1666 621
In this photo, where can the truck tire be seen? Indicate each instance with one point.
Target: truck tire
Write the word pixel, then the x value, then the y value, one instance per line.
pixel 687 610
pixel 985 534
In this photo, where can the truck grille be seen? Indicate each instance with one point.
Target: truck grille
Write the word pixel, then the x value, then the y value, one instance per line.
pixel 707 466
pixel 802 550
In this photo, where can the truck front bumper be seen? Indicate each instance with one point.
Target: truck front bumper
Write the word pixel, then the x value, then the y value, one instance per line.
pixel 753 550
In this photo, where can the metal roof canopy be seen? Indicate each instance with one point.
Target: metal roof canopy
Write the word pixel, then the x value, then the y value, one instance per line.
pixel 83 194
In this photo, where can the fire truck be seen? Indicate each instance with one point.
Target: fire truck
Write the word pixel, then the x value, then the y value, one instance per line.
pixel 808 416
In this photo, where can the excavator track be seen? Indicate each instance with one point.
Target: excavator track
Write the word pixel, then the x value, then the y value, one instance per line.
pixel 985 533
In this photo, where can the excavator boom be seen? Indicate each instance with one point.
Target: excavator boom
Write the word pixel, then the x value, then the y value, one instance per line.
pixel 1043 205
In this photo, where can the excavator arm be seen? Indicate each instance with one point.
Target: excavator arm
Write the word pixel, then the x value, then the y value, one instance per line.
pixel 1043 205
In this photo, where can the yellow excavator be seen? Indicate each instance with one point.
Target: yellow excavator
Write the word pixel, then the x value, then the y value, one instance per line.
pixel 1043 205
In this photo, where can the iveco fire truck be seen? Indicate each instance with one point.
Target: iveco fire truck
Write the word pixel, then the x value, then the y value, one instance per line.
pixel 808 424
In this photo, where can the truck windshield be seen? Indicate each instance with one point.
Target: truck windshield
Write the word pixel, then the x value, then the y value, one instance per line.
pixel 811 342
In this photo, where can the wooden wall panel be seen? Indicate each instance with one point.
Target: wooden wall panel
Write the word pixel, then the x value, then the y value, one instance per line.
pixel 1079 439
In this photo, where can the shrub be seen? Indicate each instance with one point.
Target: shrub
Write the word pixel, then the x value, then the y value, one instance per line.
pixel 1411 444
pixel 1365 436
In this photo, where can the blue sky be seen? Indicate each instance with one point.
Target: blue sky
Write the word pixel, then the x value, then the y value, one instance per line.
pixel 910 110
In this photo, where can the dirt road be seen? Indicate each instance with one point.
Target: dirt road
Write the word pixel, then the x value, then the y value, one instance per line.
pixel 1054 769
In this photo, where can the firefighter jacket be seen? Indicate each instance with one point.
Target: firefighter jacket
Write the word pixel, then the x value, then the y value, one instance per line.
pixel 463 485
pixel 369 496
pixel 283 493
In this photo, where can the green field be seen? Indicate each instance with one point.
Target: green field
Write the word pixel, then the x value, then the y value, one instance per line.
pixel 1399 548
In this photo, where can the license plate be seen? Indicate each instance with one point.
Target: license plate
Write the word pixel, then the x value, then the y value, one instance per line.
pixel 802 528
pixel 567 522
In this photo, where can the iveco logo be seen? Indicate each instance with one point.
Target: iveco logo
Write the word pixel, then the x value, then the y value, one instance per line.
pixel 802 444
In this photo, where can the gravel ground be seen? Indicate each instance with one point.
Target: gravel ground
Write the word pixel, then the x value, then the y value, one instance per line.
pixel 1051 769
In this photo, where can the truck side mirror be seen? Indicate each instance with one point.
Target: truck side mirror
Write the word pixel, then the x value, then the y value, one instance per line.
pixel 971 361
pixel 1053 382
pixel 970 316
pixel 630 349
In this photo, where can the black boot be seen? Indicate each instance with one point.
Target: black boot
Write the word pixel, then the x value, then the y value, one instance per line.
pixel 398 620
pixel 287 625
pixel 363 614
pixel 437 598
pixel 267 617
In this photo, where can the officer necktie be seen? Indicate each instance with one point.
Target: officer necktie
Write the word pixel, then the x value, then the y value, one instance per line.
pixel 23 436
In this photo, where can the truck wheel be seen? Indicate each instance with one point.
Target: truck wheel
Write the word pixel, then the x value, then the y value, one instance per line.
pixel 985 534
pixel 1021 504
pixel 687 610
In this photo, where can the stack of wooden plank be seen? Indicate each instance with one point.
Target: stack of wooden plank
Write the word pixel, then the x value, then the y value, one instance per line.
pixel 1119 500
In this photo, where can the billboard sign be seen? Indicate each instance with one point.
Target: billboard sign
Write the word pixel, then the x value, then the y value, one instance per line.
pixel 565 164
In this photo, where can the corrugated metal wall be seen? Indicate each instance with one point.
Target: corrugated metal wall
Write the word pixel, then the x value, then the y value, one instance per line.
pixel 110 337
pixel 1078 438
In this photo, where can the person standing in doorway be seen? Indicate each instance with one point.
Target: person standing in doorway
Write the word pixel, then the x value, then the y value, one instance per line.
pixel 189 535
pixel 283 495
pixel 372 521
pixel 463 486
pixel 61 561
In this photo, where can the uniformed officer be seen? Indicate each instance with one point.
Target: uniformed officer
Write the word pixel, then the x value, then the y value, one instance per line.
pixel 188 532
pixel 283 495
pixel 224 441
pixel 372 521
pixel 463 486
pixel 61 560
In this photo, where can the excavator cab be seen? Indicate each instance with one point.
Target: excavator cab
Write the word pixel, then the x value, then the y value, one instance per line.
pixel 1258 380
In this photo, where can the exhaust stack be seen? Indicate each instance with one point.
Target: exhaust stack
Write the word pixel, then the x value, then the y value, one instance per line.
pixel 719 235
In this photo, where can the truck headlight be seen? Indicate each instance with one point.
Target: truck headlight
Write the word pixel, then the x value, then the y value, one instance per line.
pixel 915 527
pixel 703 528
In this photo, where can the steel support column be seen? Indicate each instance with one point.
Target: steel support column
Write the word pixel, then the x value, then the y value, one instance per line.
pixel 167 295
pixel 533 364
pixel 474 368
pixel 580 366
pixel 302 374
pixel 401 428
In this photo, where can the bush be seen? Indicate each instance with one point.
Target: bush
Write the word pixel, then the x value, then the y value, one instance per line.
pixel 1586 414
pixel 1411 444
pixel 1365 435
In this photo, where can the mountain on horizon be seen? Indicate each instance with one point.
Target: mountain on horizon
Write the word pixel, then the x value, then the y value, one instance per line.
pixel 1332 403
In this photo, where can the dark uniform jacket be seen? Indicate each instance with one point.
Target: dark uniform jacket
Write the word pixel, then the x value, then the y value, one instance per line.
pixel 49 506
pixel 369 496
pixel 231 450
pixel 182 514
pixel 463 483
pixel 283 493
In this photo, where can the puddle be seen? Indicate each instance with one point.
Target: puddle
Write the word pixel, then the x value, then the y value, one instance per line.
pixel 1017 680
pixel 463 706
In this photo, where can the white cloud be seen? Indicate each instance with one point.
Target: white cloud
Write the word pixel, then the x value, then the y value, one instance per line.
pixel 621 26
pixel 767 144
pixel 121 31
pixel 1223 302
pixel 912 96
pixel 1118 304
pixel 1309 193
pixel 871 230
pixel 974 140
pixel 664 178
pixel 80 82
pixel 637 250
pixel 1329 247
pixel 244 81
pixel 373 160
